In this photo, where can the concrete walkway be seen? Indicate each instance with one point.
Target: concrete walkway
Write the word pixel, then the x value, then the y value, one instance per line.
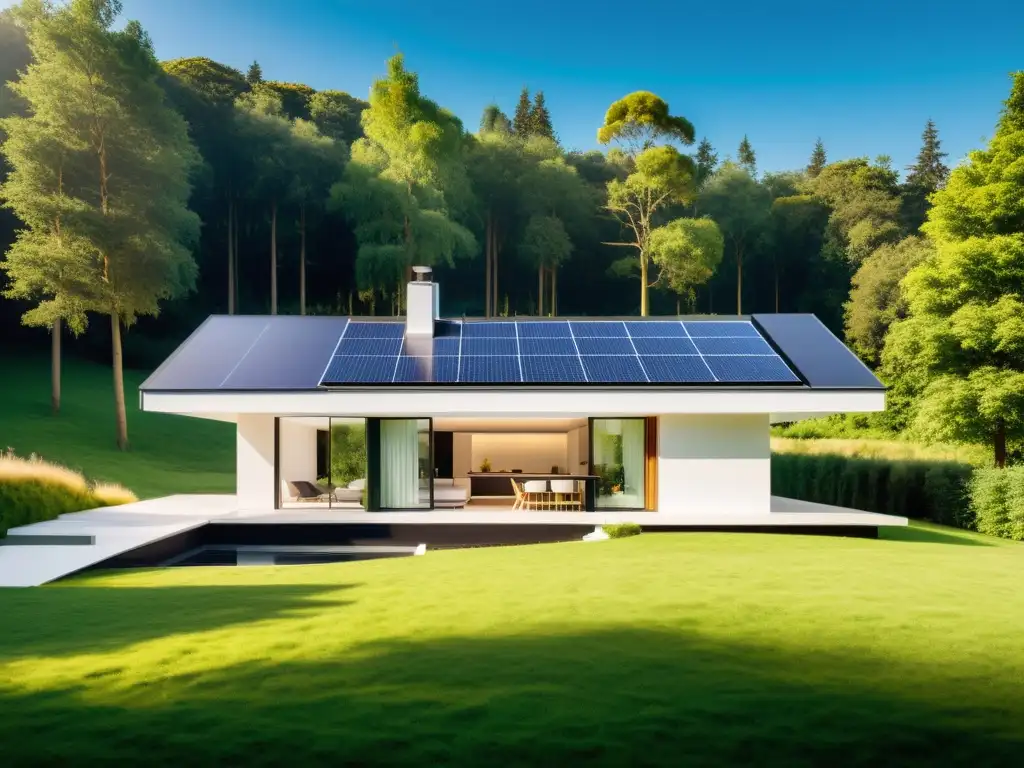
pixel 36 554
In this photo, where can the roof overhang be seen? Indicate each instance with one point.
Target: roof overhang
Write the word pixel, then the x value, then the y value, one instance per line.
pixel 800 402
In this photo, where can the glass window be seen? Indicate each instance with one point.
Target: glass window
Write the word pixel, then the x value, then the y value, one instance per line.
pixel 619 462
pixel 405 475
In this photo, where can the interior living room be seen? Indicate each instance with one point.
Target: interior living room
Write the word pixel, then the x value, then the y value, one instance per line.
pixel 528 464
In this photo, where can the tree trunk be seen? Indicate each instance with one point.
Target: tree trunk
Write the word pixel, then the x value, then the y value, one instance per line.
pixel 495 250
pixel 55 367
pixel 1000 443
pixel 677 306
pixel 231 257
pixel 739 283
pixel 643 285
pixel 776 289
pixel 273 258
pixel 234 257
pixel 554 291
pixel 540 291
pixel 302 260
pixel 119 410
pixel 487 267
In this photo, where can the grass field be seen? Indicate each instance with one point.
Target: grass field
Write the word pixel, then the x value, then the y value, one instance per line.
pixel 696 649
pixel 169 454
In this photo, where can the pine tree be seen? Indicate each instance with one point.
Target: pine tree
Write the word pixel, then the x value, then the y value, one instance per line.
pixel 746 158
pixel 540 118
pixel 927 175
pixel 254 76
pixel 818 159
pixel 707 160
pixel 522 121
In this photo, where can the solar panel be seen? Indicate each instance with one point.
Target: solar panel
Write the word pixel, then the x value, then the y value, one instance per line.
pixel 607 345
pixel 763 369
pixel 733 346
pixel 613 369
pixel 554 369
pixel 426 370
pixel 547 346
pixel 359 370
pixel 639 329
pixel 488 346
pixel 544 330
pixel 598 329
pixel 371 330
pixel 653 345
pixel 720 328
pixel 489 370
pixel 368 347
pixel 552 352
pixel 489 330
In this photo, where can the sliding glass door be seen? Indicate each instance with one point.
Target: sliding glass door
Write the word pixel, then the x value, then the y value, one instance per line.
pixel 618 458
pixel 406 480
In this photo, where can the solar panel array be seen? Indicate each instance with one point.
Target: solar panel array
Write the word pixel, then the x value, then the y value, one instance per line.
pixel 558 352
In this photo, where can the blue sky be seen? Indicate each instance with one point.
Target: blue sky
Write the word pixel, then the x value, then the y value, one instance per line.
pixel 863 75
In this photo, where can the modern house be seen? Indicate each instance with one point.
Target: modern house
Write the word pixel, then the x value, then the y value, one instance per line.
pixel 662 419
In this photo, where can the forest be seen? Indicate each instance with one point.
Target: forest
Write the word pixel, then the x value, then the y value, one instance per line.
pixel 148 194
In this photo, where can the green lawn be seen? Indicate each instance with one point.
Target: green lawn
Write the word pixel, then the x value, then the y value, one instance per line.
pixel 686 649
pixel 169 454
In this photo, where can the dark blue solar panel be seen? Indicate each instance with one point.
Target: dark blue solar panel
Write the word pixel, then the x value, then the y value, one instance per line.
pixel 556 368
pixel 664 346
pixel 688 369
pixel 427 370
pixel 821 358
pixel 720 328
pixel 489 370
pixel 367 330
pixel 444 328
pixel 488 346
pixel 489 330
pixel 543 329
pixel 372 347
pixel 733 346
pixel 612 369
pixel 360 370
pixel 600 329
pixel 447 346
pixel 751 370
pixel 547 346
pixel 605 346
pixel 655 328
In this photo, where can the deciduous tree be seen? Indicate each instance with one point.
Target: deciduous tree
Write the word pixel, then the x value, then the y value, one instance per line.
pixel 687 253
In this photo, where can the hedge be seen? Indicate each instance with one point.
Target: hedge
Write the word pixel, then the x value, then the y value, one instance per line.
pixel 938 491
pixel 23 502
pixel 997 496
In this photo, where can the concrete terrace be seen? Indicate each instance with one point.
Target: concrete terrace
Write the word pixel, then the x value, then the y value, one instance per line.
pixel 35 554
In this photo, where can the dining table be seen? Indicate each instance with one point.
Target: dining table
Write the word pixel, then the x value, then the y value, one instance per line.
pixel 486 481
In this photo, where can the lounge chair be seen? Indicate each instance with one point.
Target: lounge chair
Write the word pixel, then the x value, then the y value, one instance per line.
pixel 303 490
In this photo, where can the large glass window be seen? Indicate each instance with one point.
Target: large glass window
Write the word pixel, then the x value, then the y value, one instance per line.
pixel 347 463
pixel 405 461
pixel 619 461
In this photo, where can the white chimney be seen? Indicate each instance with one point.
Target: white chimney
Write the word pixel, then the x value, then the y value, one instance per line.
pixel 423 304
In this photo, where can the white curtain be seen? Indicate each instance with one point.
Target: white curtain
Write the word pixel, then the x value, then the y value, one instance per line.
pixel 633 461
pixel 399 464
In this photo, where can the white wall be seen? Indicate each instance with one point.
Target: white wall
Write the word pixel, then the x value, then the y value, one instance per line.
pixel 534 452
pixel 297 454
pixel 462 454
pixel 717 464
pixel 255 461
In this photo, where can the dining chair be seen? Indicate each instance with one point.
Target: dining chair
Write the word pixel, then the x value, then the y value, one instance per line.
pixel 519 494
pixel 536 492
pixel 566 495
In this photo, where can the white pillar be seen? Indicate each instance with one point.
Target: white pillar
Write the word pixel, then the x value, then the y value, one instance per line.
pixel 714 465
pixel 255 461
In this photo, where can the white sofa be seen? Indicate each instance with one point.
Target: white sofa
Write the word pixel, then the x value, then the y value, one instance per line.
pixel 451 494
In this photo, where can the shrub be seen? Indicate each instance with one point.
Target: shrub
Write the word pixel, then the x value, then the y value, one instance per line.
pixel 33 491
pixel 925 490
pixel 621 530
pixel 112 494
pixel 997 497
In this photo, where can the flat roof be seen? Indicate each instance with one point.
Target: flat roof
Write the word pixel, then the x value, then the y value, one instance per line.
pixel 287 353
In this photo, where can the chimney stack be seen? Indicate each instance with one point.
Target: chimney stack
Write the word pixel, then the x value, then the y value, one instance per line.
pixel 423 304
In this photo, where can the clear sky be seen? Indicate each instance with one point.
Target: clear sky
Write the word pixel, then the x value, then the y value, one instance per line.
pixel 864 75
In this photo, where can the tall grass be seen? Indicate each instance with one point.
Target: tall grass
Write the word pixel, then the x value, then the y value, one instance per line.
pixel 33 490
pixel 892 450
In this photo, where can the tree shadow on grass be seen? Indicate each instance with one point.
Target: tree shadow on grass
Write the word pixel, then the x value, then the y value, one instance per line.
pixel 933 535
pixel 607 697
pixel 76 619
